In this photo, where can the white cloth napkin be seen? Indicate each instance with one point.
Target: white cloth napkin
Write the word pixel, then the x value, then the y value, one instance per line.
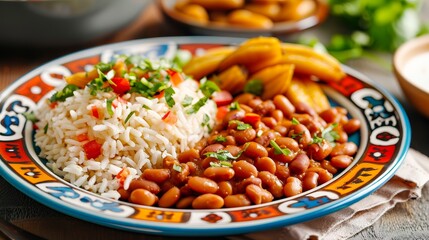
pixel 406 184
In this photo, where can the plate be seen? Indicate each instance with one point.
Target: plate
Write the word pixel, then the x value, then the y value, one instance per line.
pixel 279 28
pixel 383 142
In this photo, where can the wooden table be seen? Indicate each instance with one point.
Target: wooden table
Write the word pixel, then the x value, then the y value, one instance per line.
pixel 406 221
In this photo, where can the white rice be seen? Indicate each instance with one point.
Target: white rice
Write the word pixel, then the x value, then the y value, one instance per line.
pixel 140 143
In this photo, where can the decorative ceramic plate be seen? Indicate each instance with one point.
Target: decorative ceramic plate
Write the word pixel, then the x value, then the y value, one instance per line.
pixel 216 29
pixel 383 142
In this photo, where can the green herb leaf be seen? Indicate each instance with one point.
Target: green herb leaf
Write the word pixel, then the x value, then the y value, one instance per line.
pixel 221 155
pixel 220 138
pixel 221 164
pixel 330 134
pixel 196 107
pixel 129 116
pixel 146 107
pixel 295 121
pixel 104 67
pixel 66 92
pixel 187 101
pixel 208 87
pixel 30 116
pixel 254 86
pixel 45 128
pixel 177 168
pixel 240 125
pixel 234 106
pixel 278 149
pixel 168 95
pixel 109 106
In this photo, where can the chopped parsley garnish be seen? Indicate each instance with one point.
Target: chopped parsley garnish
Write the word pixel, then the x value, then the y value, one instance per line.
pixel 104 67
pixel 45 129
pixel 221 164
pixel 240 125
pixel 278 149
pixel 66 92
pixel 222 155
pixel 168 95
pixel 187 101
pixel 234 106
pixel 220 138
pixel 206 120
pixel 330 134
pixel 129 116
pixel 177 168
pixel 30 116
pixel 196 107
pixel 208 87
pixel 109 106
pixel 254 86
pixel 295 121
pixel 317 139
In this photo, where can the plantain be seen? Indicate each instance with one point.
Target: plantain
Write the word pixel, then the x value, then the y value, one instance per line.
pixel 80 79
pixel 306 91
pixel 276 79
pixel 232 79
pixel 203 65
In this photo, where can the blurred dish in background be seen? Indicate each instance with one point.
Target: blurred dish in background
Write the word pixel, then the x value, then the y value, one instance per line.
pixel 245 18
pixel 63 23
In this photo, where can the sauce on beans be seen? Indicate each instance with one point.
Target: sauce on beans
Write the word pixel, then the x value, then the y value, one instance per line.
pixel 262 151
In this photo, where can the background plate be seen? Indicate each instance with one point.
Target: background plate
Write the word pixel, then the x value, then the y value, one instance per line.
pixel 383 142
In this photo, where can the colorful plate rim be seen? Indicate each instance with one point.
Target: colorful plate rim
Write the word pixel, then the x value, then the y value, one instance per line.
pixel 370 103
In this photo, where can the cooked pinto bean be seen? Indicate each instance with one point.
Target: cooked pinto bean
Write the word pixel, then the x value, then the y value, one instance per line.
pixel 124 194
pixel 277 115
pixel 258 195
pixel 293 187
pixel 330 115
pixel 244 169
pixel 288 142
pixel 341 161
pixel 140 183
pixel 300 163
pixel 324 175
pixel 302 107
pixel 282 172
pixel 211 148
pixel 269 121
pixel 271 183
pixel 348 148
pixel 283 104
pixel 328 166
pixel 143 197
pixel 185 202
pixel 234 150
pixel 190 155
pixel 243 136
pixel 319 151
pixel 169 198
pixel 208 201
pixel 301 134
pixel 225 189
pixel 237 200
pixel 310 180
pixel 156 175
pixel 241 186
pixel 351 126
pixel 219 173
pixel 255 150
pixel 244 98
pixel 266 137
pixel 265 164
pixel 202 185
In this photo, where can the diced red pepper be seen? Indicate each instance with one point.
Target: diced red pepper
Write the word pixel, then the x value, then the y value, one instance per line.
pixel 160 95
pixel 175 77
pixel 94 111
pixel 251 118
pixel 221 112
pixel 122 175
pixel 222 98
pixel 53 105
pixel 92 149
pixel 169 118
pixel 121 85
pixel 82 137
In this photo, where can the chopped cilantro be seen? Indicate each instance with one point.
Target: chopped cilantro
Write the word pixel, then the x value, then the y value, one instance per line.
pixel 220 138
pixel 45 129
pixel 177 168
pixel 295 121
pixel 254 86
pixel 222 155
pixel 30 116
pixel 330 134
pixel 109 106
pixel 208 87
pixel 129 116
pixel 66 92
pixel 196 107
pixel 234 106
pixel 104 67
pixel 168 95
pixel 278 149
pixel 221 164
pixel 240 125
pixel 187 101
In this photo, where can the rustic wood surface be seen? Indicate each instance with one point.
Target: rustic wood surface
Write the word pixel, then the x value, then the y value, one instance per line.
pixel 406 221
